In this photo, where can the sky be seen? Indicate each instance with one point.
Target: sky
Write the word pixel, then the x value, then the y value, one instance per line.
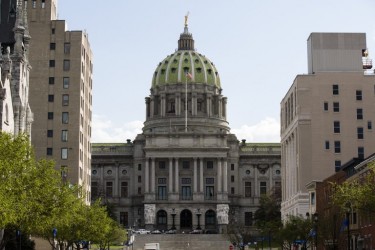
pixel 258 47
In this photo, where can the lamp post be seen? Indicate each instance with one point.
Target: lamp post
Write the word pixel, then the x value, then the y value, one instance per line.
pixel 348 211
pixel 199 218
pixel 173 215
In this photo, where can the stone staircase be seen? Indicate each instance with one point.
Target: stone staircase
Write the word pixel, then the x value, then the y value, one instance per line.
pixel 183 241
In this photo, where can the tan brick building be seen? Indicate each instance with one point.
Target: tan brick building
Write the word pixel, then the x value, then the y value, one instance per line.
pixel 60 92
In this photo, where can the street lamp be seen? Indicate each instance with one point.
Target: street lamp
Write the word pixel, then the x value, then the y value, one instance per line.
pixel 173 215
pixel 348 212
pixel 199 218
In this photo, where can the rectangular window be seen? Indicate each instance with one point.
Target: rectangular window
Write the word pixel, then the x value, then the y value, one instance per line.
pixel 232 190
pixel 49 151
pixel 336 107
pixel 64 135
pixel 161 164
pixel 66 66
pixel 361 152
pixel 325 106
pixel 263 187
pixel 185 164
pixel 66 81
pixel 209 195
pixel 360 133
pixel 50 115
pixel 52 46
pixel 124 189
pixel 186 181
pixel 109 188
pixel 359 114
pixel 358 95
pixel 232 178
pixel 51 80
pixel 162 193
pixel 210 164
pixel 336 127
pixel 139 179
pixel 65 100
pixel 66 48
pixel 232 167
pixel 312 198
pixel 51 98
pixel 65 117
pixel 51 63
pixel 53 31
pixel 337 147
pixel 248 218
pixel 49 133
pixel 247 189
pixel 94 190
pixel 335 89
pixel 139 167
pixel 162 180
pixel 186 193
pixel 139 191
pixel 124 217
pixel 369 125
pixel 43 4
pixel 64 153
pixel 337 165
pixel 34 4
pixel 326 144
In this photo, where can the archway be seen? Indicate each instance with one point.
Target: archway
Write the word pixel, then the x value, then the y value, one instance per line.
pixel 210 219
pixel 161 220
pixel 186 219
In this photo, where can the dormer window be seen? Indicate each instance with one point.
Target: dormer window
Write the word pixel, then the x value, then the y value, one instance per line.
pixel 209 71
pixel 186 60
pixel 199 70
pixel 173 70
pixel 196 61
pixel 162 71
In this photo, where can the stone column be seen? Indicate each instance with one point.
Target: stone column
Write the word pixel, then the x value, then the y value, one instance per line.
pixel 147 175
pixel 225 101
pixel 163 105
pixel 152 175
pixel 176 183
pixel 178 104
pixel 152 107
pixel 219 176
pixel 147 100
pixel 208 106
pixel 201 175
pixel 194 104
pixel 170 187
pixel 195 175
pixel 220 108
pixel 225 176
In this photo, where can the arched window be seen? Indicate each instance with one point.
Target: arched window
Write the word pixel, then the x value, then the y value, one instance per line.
pixel 210 218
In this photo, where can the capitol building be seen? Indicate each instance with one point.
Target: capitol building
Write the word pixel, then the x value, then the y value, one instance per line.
pixel 185 170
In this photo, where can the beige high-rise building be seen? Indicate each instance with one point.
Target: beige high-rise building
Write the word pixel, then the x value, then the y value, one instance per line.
pixel 60 93
pixel 327 116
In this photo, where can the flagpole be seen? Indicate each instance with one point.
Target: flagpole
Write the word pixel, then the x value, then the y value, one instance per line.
pixel 186 76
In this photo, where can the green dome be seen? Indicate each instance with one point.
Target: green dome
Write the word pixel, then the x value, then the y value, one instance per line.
pixel 172 70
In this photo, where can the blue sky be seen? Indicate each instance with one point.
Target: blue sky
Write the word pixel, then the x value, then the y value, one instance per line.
pixel 258 48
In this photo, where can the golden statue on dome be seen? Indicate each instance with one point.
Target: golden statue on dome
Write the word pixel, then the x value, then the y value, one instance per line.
pixel 186 18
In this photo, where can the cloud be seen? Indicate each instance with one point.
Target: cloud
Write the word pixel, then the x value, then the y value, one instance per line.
pixel 267 130
pixel 104 130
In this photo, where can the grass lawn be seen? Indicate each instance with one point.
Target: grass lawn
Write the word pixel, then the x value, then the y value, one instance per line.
pixel 96 247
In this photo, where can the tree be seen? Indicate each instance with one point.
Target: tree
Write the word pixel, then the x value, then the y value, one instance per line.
pixel 296 230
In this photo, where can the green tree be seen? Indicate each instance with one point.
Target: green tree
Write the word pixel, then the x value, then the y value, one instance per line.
pixel 296 229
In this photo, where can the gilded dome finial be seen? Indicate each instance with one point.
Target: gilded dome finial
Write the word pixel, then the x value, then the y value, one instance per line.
pixel 186 19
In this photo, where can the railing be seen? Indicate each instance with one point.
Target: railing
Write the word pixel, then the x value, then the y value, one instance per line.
pixel 367 63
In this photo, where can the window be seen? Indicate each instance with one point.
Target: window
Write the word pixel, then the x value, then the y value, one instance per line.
pixel 186 193
pixel 139 167
pixel 51 80
pixel 312 198
pixel 49 151
pixel 53 30
pixel 64 153
pixel 51 98
pixel 335 89
pixel 369 125
pixel 336 127
pixel 64 135
pixel 337 147
pixel 325 106
pixel 43 4
pixel 34 4
pixel 51 63
pixel 337 165
pixel 65 100
pixel 248 218
pixel 124 189
pixel 209 194
pixel 210 164
pixel 109 188
pixel 360 133
pixel 361 152
pixel 232 167
pixel 94 190
pixel 50 115
pixel 358 95
pixel 359 114
pixel 247 189
pixel 139 191
pixel 139 179
pixel 232 178
pixel 124 217
pixel 326 144
pixel 232 190
pixel 66 82
pixel 336 107
pixel 65 117
pixel 52 46
pixel 185 165
pixel 66 48
pixel 49 133
pixel 162 193
pixel 161 164
pixel 263 187
pixel 66 65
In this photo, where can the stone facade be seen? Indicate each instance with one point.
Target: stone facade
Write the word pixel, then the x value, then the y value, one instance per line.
pixel 186 170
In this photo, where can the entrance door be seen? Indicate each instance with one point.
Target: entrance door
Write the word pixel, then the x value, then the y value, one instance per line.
pixel 186 219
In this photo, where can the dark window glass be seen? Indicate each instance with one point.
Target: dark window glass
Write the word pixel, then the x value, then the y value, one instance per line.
pixel 51 98
pixel 360 133
pixel 52 46
pixel 327 144
pixel 66 48
pixel 359 114
pixel 210 164
pixel 186 193
pixel 248 218
pixel 109 189
pixel 139 179
pixel 336 127
pixel 50 115
pixel 66 65
pixel 263 187
pixel 361 152
pixel 52 63
pixel 337 165
pixel 325 106
pixel 124 189
pixel 49 133
pixel 94 190
pixel 53 30
pixel 369 125
pixel 162 193
pixel 66 81
pixel 358 95
pixel 139 167
pixel 51 80
pixel 232 167
pixel 161 164
pixel 335 89
pixel 337 147
pixel 336 107
pixel 247 189
pixel 209 195
pixel 185 165
pixel 49 151
pixel 232 190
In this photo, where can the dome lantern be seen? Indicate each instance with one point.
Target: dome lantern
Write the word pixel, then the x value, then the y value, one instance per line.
pixel 186 41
